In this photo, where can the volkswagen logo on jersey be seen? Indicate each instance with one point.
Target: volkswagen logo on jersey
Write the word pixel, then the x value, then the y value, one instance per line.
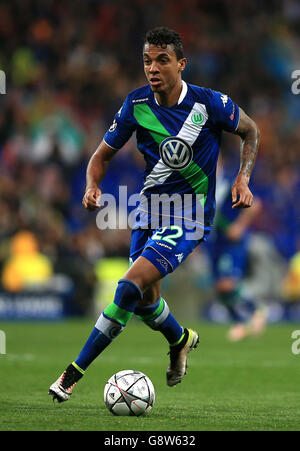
pixel 175 152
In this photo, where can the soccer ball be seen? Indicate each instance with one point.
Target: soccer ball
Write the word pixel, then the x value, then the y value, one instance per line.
pixel 129 393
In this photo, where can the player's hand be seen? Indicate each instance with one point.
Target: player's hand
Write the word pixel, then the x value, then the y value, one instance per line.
pixel 91 199
pixel 241 194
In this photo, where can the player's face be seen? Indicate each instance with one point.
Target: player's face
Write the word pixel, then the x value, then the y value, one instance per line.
pixel 162 69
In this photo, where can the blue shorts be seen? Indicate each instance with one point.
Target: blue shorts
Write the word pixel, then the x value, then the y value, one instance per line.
pixel 165 247
pixel 229 259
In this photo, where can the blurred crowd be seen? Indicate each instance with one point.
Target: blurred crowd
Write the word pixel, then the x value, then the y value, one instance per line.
pixel 69 66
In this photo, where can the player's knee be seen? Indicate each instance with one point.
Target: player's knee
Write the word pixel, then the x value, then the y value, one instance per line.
pixel 137 281
pixel 150 295
pixel 143 274
pixel 127 291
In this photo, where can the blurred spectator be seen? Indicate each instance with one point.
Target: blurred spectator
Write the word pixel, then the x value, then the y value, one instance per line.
pixel 291 282
pixel 26 268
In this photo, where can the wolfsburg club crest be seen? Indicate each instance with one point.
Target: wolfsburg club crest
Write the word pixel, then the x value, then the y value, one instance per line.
pixel 175 152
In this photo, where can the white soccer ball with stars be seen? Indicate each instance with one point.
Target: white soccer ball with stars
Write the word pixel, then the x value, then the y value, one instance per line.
pixel 129 393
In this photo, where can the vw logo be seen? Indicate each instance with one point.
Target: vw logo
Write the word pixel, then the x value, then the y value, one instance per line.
pixel 175 152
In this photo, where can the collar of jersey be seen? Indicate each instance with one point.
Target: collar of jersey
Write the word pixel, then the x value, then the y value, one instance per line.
pixel 181 97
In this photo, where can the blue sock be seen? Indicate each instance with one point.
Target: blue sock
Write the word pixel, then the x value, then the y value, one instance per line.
pixel 110 323
pixel 95 344
pixel 158 317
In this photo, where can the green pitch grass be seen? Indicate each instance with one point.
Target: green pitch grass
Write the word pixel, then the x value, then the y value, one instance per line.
pixel 251 385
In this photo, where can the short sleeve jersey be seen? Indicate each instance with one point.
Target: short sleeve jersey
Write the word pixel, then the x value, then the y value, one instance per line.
pixel 180 144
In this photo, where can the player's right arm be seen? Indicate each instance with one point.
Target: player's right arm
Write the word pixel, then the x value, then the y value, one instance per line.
pixel 95 173
pixel 115 138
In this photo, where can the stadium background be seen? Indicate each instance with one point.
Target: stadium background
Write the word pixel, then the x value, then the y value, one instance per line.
pixel 69 66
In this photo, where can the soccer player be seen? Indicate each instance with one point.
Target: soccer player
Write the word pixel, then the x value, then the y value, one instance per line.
pixel 178 130
pixel 228 248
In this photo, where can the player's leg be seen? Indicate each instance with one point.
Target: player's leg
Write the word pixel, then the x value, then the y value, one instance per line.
pixel 166 254
pixel 109 325
pixel 147 270
pixel 158 317
pixel 228 293
pixel 152 308
pixel 154 311
pixel 248 317
pixel 229 265
pixel 258 321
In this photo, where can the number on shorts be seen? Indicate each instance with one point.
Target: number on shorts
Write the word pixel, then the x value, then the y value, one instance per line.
pixel 171 237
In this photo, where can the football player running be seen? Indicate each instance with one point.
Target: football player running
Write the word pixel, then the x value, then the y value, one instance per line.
pixel 178 130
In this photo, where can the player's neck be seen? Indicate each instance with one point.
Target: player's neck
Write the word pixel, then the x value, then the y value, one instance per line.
pixel 170 98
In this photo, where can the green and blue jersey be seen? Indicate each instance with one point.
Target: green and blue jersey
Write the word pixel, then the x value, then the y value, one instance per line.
pixel 180 144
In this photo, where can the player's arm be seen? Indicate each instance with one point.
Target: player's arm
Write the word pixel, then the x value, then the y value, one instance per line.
pixel 249 133
pixel 246 217
pixel 95 173
pixel 116 136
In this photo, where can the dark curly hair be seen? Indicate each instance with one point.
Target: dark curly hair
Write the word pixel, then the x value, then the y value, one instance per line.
pixel 163 36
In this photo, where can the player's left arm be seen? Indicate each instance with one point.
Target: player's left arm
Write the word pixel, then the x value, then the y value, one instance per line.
pixel 246 217
pixel 249 133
